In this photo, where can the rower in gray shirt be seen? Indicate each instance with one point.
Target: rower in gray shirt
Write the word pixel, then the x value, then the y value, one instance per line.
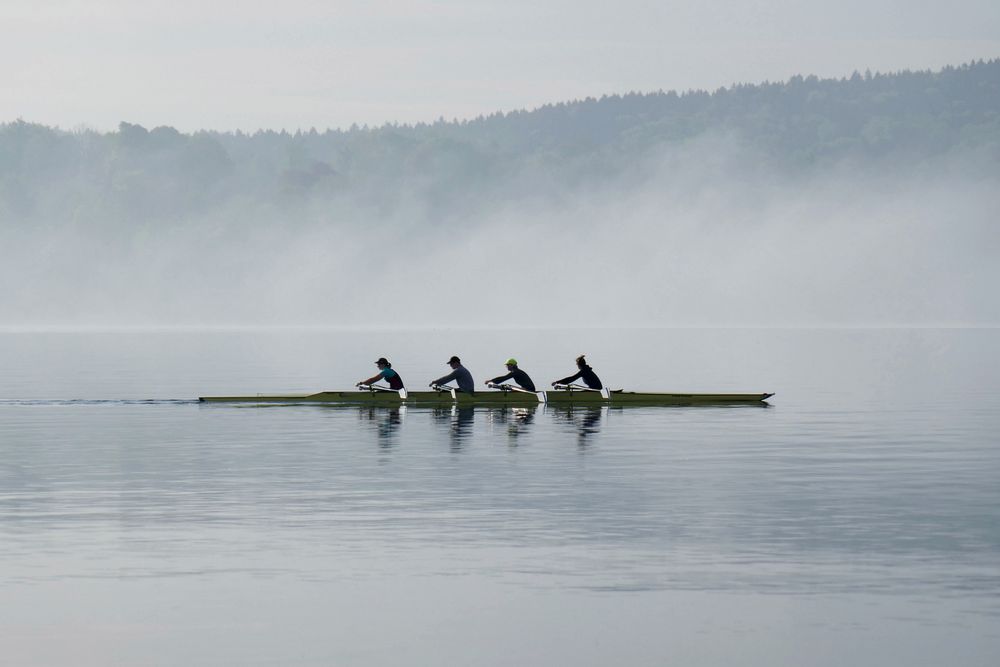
pixel 461 376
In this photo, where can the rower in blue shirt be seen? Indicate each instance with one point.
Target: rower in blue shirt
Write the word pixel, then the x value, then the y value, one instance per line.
pixel 461 376
pixel 516 374
pixel 386 373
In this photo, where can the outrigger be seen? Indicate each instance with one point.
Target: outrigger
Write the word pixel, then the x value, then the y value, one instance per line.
pixel 502 394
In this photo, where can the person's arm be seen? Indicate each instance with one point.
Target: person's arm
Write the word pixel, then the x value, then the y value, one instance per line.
pixel 373 379
pixel 569 379
pixel 447 378
pixel 501 378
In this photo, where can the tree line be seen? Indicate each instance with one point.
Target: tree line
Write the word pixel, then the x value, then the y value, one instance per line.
pixel 803 124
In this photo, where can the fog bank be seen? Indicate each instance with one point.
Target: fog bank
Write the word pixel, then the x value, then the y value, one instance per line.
pixel 863 201
pixel 697 241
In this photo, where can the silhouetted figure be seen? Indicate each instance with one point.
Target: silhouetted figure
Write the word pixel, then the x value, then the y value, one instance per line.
pixel 461 376
pixel 516 374
pixel 586 373
pixel 386 373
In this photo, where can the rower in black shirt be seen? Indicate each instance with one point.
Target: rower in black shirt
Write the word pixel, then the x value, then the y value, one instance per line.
pixel 586 373
pixel 516 374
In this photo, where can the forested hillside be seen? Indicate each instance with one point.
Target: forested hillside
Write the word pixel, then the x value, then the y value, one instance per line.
pixel 137 175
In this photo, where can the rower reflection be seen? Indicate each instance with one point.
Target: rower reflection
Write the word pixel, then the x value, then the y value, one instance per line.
pixel 585 420
pixel 516 420
pixel 459 421
pixel 386 421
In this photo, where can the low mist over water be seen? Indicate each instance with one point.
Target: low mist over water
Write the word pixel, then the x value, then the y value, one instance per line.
pixel 868 200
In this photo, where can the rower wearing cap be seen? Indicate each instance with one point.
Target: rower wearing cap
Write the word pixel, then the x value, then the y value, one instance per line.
pixel 460 374
pixel 586 373
pixel 386 373
pixel 516 374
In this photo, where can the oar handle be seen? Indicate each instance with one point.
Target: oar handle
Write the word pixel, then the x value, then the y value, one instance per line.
pixel 605 392
pixel 540 395
pixel 372 387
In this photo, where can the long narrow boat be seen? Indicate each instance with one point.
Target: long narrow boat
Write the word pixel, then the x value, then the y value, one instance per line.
pixel 493 397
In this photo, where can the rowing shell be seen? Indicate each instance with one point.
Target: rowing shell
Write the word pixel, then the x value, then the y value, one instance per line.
pixel 364 397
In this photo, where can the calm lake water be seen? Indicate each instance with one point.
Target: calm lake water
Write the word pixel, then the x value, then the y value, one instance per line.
pixel 854 521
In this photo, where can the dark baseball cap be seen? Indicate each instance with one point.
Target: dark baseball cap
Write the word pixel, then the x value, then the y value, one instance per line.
pixel 454 360
pixel 383 360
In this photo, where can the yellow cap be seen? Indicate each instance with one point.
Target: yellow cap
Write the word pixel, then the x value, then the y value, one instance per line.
pixel 510 362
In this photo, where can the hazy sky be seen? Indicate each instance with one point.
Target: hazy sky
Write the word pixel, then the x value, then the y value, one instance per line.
pixel 247 64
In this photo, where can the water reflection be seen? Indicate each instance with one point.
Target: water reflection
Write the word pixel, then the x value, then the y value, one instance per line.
pixel 585 420
pixel 517 420
pixel 386 421
pixel 458 420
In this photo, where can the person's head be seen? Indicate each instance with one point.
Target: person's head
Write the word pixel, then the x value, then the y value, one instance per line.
pixel 581 361
pixel 454 362
pixel 383 363
pixel 511 364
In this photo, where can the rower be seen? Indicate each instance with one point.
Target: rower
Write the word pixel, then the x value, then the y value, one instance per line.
pixel 586 373
pixel 516 374
pixel 461 376
pixel 386 373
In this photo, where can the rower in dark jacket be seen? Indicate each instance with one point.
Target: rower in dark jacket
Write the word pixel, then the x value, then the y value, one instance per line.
pixel 516 374
pixel 461 376
pixel 586 373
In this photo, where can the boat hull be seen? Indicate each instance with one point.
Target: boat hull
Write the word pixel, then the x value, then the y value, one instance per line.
pixel 432 398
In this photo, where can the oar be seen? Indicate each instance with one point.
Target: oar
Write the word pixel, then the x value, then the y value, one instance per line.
pixel 374 388
pixel 605 392
pixel 540 395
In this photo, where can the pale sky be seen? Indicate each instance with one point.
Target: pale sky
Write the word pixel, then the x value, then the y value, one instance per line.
pixel 225 65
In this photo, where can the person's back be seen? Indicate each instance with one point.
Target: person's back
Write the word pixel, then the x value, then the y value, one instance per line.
pixel 586 373
pixel 463 378
pixel 522 378
pixel 392 377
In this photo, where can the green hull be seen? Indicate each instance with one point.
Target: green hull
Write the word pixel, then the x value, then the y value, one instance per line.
pixel 488 397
